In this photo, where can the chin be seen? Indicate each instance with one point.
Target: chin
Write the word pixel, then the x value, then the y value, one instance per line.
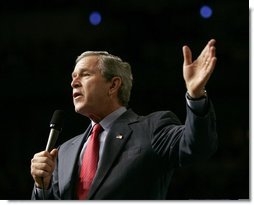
pixel 80 109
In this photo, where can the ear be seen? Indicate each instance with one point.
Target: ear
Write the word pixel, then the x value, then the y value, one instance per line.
pixel 116 83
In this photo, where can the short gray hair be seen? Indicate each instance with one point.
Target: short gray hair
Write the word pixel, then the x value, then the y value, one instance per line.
pixel 112 66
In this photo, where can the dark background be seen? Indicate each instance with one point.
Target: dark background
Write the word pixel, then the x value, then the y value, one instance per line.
pixel 40 40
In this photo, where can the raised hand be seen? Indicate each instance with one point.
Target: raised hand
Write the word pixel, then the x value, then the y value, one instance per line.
pixel 197 73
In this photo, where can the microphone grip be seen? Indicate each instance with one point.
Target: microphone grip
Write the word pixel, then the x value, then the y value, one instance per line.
pixel 53 135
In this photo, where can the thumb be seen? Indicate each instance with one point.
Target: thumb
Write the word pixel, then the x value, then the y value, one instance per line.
pixel 187 55
pixel 54 153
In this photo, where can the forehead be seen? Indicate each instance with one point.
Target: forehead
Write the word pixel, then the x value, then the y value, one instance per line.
pixel 87 63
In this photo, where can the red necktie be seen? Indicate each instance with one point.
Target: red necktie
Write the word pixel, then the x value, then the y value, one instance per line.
pixel 89 163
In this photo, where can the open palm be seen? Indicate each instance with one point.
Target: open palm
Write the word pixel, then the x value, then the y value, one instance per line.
pixel 197 73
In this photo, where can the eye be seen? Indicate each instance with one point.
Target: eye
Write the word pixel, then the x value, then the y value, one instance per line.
pixel 85 74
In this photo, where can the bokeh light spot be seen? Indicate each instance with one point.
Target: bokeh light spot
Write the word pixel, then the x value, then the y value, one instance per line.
pixel 95 18
pixel 206 11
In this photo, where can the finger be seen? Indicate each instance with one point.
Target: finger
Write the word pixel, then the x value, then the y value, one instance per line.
pixel 206 51
pixel 213 63
pixel 39 161
pixel 37 171
pixel 42 158
pixel 42 154
pixel 212 52
pixel 212 42
pixel 207 60
pixel 210 68
pixel 187 55
pixel 42 169
pixel 42 163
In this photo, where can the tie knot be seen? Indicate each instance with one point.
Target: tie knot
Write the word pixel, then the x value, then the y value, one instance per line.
pixel 97 128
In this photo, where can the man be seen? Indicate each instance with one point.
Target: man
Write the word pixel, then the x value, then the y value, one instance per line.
pixel 137 154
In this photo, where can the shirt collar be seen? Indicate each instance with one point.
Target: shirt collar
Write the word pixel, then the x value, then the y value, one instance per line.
pixel 107 122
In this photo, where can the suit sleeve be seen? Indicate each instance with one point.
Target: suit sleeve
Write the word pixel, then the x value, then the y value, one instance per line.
pixel 182 144
pixel 38 194
pixel 199 141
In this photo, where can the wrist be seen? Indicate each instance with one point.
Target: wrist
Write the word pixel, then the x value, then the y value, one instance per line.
pixel 202 95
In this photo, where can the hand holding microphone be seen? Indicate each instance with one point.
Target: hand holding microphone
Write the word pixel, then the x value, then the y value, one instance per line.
pixel 43 163
pixel 42 167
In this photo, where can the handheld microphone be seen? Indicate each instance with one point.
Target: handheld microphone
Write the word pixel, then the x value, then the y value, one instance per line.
pixel 56 124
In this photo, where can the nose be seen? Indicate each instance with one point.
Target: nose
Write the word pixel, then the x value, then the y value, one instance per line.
pixel 75 83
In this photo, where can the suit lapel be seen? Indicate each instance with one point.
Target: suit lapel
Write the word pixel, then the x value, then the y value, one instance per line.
pixel 69 161
pixel 116 139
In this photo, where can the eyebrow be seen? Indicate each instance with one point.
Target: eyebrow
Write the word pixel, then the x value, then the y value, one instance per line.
pixel 79 71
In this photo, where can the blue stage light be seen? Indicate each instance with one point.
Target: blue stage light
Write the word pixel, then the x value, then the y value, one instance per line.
pixel 206 11
pixel 95 18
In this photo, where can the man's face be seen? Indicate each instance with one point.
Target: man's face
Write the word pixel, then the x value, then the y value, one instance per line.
pixel 90 88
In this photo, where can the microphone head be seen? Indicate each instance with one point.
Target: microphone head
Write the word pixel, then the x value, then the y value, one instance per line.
pixel 57 120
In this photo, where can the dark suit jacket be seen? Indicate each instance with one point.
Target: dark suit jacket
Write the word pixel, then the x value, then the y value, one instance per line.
pixel 140 164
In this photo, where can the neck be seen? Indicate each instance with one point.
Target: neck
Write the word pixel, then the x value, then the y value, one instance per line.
pixel 97 117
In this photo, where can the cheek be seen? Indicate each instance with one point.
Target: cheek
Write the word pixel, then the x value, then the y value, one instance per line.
pixel 101 93
pixel 100 86
pixel 96 90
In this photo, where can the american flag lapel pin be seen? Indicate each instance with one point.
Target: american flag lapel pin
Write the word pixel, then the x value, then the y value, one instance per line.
pixel 119 136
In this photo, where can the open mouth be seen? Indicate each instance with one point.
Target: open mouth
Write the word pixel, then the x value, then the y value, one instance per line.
pixel 76 95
